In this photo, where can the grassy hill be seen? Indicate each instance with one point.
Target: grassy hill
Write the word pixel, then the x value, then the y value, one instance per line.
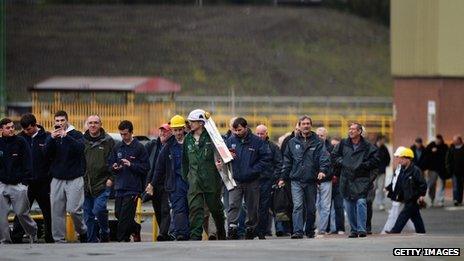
pixel 259 50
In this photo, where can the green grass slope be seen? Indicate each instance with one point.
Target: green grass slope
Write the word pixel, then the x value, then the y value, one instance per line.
pixel 258 50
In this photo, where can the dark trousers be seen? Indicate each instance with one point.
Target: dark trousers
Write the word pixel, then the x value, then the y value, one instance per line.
pixel 410 211
pixel 248 192
pixel 124 210
pixel 162 210
pixel 180 209
pixel 337 201
pixel 369 216
pixel 458 185
pixel 265 189
pixel 39 191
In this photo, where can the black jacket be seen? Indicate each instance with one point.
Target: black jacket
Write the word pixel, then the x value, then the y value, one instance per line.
pixel 435 160
pixel 328 177
pixel 15 160
pixel 67 155
pixel 253 157
pixel 356 174
pixel 455 161
pixel 409 186
pixel 384 158
pixel 130 178
pixel 304 159
pixel 40 163
pixel 285 142
pixel 275 167
pixel 419 157
pixel 153 149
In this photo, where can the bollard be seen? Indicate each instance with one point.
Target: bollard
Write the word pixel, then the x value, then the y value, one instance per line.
pixel 139 211
pixel 155 228
pixel 70 233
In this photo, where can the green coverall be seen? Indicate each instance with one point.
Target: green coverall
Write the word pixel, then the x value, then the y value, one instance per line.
pixel 199 170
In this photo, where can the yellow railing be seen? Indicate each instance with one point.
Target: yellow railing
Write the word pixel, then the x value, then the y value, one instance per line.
pixel 337 125
pixel 146 117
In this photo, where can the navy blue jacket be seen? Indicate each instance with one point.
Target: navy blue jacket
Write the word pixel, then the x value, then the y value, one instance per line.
pixel 168 165
pixel 67 155
pixel 303 163
pixel 40 163
pixel 275 168
pixel 130 179
pixel 15 160
pixel 253 157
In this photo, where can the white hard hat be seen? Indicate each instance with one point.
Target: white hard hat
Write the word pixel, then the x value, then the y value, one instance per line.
pixel 197 115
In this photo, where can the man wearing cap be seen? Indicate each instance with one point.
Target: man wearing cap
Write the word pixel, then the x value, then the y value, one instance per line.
pixel 410 188
pixel 169 169
pixel 160 195
pixel 200 171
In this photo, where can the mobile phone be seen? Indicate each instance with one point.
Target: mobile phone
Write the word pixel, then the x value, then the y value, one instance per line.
pixel 57 127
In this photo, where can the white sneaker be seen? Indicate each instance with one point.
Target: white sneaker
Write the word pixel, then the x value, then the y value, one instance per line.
pixel 341 232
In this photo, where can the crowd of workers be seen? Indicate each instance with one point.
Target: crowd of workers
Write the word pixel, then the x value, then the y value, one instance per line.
pixel 304 187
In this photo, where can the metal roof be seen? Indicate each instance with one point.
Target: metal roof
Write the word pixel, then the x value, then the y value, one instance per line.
pixel 131 84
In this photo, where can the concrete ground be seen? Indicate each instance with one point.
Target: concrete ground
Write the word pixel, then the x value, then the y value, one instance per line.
pixel 445 228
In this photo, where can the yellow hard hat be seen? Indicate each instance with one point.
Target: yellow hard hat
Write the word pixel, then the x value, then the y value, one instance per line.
pixel 177 121
pixel 404 152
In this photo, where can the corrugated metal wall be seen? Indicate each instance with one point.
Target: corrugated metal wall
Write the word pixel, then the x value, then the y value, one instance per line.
pixel 427 38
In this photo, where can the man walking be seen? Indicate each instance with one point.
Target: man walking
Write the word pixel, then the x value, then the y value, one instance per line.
pixel 65 148
pixel 455 167
pixel 98 180
pixel 384 162
pixel 306 161
pixel 324 188
pixel 251 159
pixel 39 185
pixel 357 159
pixel 160 199
pixel 266 180
pixel 436 170
pixel 169 169
pixel 15 170
pixel 410 188
pixel 200 171
pixel 129 163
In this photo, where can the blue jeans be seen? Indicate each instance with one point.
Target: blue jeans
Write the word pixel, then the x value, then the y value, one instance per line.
pixel 95 208
pixel 304 199
pixel 357 214
pixel 324 198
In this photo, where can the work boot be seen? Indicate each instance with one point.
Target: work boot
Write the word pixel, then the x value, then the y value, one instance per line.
pixel 136 235
pixel 233 233
pixel 83 238
pixel 249 234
